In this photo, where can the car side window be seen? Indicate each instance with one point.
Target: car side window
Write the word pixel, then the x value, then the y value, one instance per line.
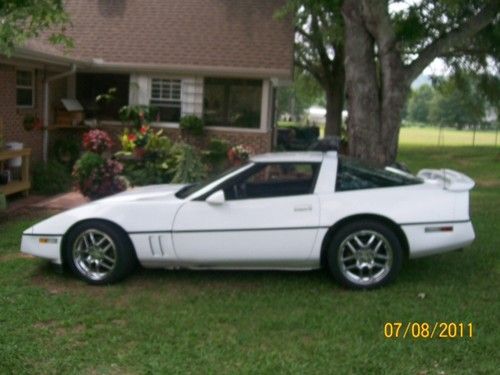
pixel 352 175
pixel 267 180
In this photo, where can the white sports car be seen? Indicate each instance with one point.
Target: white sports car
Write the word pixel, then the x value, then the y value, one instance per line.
pixel 280 211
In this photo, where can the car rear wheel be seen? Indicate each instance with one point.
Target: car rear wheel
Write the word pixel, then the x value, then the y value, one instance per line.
pixel 99 253
pixel 365 255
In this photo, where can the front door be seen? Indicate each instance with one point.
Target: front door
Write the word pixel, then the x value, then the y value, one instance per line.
pixel 269 218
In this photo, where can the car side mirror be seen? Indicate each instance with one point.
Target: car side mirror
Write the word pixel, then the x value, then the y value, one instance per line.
pixel 216 198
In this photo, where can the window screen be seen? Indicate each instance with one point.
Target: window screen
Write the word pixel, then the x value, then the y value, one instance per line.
pixel 166 97
pixel 25 88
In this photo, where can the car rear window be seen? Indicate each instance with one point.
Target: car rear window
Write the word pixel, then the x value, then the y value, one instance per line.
pixel 354 175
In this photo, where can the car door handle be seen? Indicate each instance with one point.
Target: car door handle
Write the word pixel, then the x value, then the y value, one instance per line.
pixel 303 207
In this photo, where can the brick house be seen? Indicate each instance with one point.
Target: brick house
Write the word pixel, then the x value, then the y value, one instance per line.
pixel 218 59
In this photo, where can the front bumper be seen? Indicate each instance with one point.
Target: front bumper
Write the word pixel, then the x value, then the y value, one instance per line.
pixel 43 246
pixel 428 238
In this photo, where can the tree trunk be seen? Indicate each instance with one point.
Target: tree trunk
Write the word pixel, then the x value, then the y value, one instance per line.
pixel 363 104
pixel 376 90
pixel 334 94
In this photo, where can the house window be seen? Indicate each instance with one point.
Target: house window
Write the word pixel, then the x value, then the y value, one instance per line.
pixel 25 88
pixel 166 98
pixel 90 85
pixel 232 102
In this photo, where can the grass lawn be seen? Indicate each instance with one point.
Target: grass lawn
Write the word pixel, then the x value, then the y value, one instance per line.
pixel 261 322
pixel 429 136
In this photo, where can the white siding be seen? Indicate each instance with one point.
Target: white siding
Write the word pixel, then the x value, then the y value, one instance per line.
pixel 139 91
pixel 266 105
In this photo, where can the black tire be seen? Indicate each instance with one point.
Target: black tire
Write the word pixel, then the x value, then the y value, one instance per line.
pixel 359 263
pixel 93 263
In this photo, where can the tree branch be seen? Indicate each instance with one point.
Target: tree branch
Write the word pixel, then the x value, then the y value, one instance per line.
pixel 320 48
pixel 302 32
pixel 456 37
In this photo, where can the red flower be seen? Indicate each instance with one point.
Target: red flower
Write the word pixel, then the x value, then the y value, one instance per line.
pixel 132 137
pixel 144 129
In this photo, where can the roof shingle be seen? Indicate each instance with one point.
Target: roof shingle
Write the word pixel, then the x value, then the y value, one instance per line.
pixel 208 33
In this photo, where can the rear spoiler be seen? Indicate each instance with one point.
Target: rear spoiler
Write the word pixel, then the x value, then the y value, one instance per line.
pixel 450 179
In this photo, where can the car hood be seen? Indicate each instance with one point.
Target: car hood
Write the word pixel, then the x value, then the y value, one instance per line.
pixel 117 209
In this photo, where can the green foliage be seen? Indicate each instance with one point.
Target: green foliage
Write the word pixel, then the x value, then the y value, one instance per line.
pixel 147 172
pixel 51 178
pixel 318 54
pixel 217 151
pixel 22 20
pixel 164 162
pixel 188 164
pixel 154 166
pixel 88 162
pixel 419 104
pixel 192 124
pixel 107 97
pixel 98 177
pixel 158 145
pixel 138 115
pixel 303 93
pixel 457 102
pixel 66 151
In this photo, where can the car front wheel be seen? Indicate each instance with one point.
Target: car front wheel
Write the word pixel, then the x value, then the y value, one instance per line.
pixel 365 255
pixel 99 253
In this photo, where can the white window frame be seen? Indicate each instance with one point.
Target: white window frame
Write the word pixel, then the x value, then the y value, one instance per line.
pixel 25 87
pixel 170 101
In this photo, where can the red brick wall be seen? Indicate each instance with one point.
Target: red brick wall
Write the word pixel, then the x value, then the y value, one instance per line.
pixel 12 117
pixel 259 142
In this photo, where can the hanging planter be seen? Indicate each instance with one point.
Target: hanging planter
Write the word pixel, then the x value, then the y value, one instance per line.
pixel 29 122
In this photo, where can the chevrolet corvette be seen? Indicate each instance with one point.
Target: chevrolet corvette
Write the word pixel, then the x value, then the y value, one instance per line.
pixel 278 211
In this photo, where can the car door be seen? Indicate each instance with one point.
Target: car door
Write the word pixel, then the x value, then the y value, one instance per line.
pixel 268 217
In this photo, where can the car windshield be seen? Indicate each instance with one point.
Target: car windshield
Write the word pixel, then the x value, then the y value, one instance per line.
pixel 186 191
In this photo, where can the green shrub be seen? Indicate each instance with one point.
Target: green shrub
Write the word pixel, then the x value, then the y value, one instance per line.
pixel 188 165
pixel 66 151
pixel 217 150
pixel 192 124
pixel 216 155
pixel 51 178
pixel 147 172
